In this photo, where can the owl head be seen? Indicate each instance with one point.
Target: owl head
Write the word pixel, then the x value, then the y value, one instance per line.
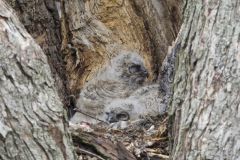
pixel 128 67
pixel 122 110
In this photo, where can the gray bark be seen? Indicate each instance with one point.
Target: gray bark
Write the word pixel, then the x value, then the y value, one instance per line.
pixel 206 102
pixel 42 21
pixel 32 119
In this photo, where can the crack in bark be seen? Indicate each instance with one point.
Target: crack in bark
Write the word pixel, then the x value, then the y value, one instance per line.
pixel 19 65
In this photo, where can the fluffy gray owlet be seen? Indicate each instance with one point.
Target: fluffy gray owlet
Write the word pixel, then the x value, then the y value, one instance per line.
pixel 120 78
pixel 143 102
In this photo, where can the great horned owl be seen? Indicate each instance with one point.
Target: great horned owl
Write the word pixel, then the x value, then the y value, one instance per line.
pixel 122 76
pixel 143 102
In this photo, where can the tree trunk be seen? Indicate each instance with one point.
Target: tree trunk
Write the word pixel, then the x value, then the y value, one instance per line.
pixel 32 119
pixel 206 102
pixel 42 21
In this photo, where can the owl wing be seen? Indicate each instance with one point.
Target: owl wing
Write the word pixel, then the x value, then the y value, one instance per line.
pixel 95 95
pixel 149 97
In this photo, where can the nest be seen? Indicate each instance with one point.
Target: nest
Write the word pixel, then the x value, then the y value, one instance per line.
pixel 143 139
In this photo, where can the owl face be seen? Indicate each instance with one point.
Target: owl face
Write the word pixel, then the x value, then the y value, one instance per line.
pixel 122 110
pixel 130 68
pixel 117 111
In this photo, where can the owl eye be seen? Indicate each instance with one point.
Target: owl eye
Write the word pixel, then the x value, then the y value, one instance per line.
pixel 122 116
pixel 113 117
pixel 134 68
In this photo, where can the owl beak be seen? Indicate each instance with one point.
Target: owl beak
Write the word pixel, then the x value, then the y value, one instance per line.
pixel 111 117
pixel 146 73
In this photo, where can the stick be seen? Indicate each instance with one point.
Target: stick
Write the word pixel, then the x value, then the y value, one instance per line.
pixel 159 155
pixel 78 110
pixel 87 152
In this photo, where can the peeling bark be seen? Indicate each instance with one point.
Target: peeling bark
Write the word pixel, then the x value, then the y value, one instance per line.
pixel 206 101
pixel 32 119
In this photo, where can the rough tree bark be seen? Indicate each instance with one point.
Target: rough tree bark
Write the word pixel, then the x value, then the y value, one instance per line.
pixel 41 20
pixel 206 101
pixel 32 119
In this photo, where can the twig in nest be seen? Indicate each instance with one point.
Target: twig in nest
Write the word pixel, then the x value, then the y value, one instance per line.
pixel 159 155
pixel 79 150
pixel 164 120
pixel 160 139
pixel 78 110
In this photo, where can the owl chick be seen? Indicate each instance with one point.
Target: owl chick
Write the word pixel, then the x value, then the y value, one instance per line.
pixel 122 76
pixel 143 102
